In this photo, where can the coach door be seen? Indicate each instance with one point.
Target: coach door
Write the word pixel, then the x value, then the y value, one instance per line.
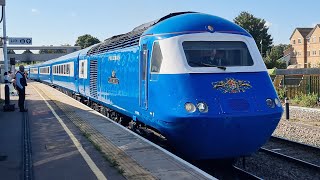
pixel 143 82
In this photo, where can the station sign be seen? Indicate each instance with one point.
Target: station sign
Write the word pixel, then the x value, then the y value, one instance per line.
pixel 20 41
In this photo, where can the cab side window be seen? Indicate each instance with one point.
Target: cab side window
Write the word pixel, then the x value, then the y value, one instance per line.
pixel 156 58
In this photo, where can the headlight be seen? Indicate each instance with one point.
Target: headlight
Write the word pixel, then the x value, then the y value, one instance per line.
pixel 270 103
pixel 190 107
pixel 203 107
pixel 277 102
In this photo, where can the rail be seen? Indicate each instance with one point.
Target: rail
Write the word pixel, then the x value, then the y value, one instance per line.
pixel 299 153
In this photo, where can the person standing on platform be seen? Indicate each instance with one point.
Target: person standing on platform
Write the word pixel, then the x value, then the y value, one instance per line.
pixel 21 84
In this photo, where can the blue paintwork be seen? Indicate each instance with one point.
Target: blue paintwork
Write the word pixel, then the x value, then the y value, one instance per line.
pixel 232 130
pixel 195 22
pixel 236 124
pixel 34 76
pixel 68 82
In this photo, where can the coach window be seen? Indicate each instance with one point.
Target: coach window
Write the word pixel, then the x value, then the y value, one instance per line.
pixel 82 69
pixel 67 68
pixel 156 58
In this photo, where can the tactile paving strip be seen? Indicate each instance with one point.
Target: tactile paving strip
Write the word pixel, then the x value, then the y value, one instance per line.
pixel 132 170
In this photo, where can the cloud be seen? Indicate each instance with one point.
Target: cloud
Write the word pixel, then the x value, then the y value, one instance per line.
pixel 268 24
pixel 33 10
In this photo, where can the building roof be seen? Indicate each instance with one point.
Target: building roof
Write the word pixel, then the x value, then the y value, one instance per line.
pixel 303 31
pixel 311 32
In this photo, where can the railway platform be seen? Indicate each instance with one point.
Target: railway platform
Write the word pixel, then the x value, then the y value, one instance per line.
pixel 61 138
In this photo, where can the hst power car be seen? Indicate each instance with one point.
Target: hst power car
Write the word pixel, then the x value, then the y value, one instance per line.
pixel 197 79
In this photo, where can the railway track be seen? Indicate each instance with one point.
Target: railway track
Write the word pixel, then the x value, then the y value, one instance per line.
pixel 243 174
pixel 298 153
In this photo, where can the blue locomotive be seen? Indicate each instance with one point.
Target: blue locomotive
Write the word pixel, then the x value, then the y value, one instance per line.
pixel 197 79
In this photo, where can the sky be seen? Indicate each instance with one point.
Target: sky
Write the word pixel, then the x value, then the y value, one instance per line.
pixel 58 22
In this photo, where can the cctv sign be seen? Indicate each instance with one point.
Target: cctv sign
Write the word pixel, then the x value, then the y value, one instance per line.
pixel 20 41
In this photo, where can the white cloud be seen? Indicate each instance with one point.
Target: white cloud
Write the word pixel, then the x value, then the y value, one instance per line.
pixel 34 10
pixel 268 24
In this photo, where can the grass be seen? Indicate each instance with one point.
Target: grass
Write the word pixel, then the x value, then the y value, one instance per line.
pixel 306 100
pixel 113 162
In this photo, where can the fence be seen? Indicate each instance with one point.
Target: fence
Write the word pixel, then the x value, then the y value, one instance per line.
pixel 293 85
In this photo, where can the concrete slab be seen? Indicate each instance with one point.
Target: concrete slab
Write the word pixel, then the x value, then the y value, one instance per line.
pixel 10 142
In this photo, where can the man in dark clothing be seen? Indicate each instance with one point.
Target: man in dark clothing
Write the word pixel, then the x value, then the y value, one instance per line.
pixel 21 84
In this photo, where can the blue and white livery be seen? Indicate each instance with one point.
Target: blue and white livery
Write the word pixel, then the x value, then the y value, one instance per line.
pixel 197 79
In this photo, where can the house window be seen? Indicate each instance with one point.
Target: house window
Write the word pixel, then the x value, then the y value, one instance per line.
pixel 294 41
pixel 314 39
pixel 299 40
pixel 313 53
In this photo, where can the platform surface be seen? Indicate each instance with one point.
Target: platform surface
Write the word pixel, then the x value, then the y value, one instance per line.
pixel 62 129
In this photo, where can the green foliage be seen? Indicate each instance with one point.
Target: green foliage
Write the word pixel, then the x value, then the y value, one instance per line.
pixel 306 100
pixel 27 63
pixel 273 56
pixel 270 63
pixel 257 28
pixel 52 51
pixel 65 45
pixel 276 52
pixel 281 93
pixel 86 41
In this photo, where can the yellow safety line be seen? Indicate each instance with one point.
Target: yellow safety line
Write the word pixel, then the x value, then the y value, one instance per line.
pixel 84 154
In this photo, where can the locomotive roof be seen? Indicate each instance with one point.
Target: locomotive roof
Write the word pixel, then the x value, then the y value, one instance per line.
pixel 180 22
pixel 128 39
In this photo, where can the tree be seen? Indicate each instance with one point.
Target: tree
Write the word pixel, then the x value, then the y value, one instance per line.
pixel 65 44
pixel 86 41
pixel 276 52
pixel 257 28
pixel 273 56
pixel 52 51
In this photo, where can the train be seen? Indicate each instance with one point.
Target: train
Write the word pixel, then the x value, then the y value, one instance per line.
pixel 197 79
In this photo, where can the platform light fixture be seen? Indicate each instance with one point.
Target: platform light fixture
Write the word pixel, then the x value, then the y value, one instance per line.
pixel 2 2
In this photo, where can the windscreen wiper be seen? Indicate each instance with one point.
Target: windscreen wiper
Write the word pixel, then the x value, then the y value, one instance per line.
pixel 211 65
pixel 208 65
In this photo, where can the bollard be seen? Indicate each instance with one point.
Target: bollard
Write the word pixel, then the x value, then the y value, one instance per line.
pixel 286 100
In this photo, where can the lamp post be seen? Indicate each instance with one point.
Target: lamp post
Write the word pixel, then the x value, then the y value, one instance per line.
pixel 7 106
